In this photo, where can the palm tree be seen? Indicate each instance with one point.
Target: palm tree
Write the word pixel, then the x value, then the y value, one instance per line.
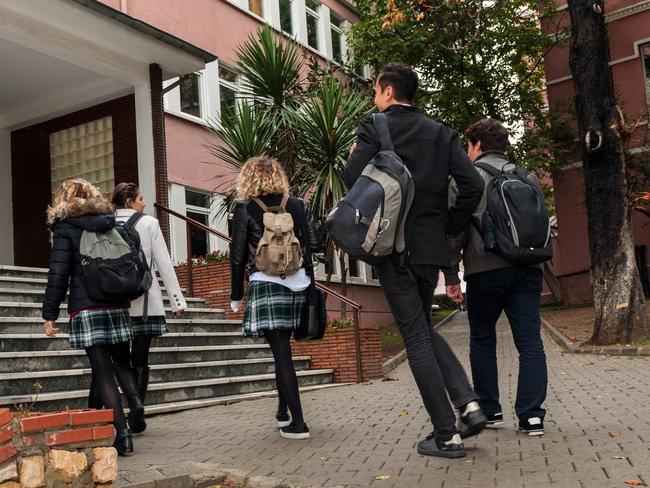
pixel 325 127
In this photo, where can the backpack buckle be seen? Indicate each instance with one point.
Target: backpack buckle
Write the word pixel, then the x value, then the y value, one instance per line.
pixel 357 216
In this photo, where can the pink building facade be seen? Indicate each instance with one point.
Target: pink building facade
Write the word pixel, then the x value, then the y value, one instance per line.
pixel 628 23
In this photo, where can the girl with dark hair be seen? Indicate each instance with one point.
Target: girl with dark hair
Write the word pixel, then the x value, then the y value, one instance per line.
pixel 147 312
pixel 101 328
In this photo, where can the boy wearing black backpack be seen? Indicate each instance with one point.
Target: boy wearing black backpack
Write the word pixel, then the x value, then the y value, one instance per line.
pixel 502 249
pixel 431 151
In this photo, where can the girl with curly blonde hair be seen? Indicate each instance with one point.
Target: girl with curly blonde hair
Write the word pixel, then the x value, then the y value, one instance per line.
pixel 274 303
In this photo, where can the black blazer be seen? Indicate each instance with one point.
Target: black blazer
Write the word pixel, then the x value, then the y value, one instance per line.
pixel 431 151
pixel 247 229
pixel 65 266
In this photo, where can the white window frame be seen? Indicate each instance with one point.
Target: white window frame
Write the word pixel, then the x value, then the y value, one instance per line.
pixel 319 15
pixel 341 33
pixel 235 86
pixel 172 99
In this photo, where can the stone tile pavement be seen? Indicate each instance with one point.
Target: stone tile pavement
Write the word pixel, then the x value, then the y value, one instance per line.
pixel 597 432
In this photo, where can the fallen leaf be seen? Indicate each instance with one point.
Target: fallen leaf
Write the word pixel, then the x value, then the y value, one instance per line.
pixel 635 483
pixel 388 378
pixel 619 457
pixel 353 398
pixel 372 425
pixel 383 477
pixel 404 413
pixel 614 434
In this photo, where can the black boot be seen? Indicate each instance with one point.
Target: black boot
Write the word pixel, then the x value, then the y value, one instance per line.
pixel 123 443
pixel 126 378
pixel 141 380
pixel 93 395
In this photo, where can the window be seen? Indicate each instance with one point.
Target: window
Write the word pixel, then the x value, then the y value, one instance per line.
pixel 336 24
pixel 190 94
pixel 84 151
pixel 313 17
pixel 228 89
pixel 198 208
pixel 255 6
pixel 354 268
pixel 285 16
pixel 645 55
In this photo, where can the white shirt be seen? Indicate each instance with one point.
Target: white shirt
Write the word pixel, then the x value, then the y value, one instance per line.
pixel 296 282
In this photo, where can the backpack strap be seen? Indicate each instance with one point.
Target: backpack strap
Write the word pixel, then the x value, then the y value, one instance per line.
pixel 488 168
pixel 381 125
pixel 277 209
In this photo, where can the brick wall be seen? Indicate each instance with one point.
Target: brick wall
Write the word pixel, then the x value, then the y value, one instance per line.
pixel 576 288
pixel 71 448
pixel 31 179
pixel 159 145
pixel 336 350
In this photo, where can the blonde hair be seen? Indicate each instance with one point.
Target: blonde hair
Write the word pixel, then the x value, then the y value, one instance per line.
pixel 75 197
pixel 261 175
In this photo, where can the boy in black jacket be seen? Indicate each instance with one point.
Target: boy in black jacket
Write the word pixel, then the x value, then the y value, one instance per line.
pixel 432 153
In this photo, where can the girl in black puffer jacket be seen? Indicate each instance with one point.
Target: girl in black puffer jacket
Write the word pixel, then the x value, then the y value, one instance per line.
pixel 101 328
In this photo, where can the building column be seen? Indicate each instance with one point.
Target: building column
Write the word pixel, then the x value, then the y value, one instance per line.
pixel 159 145
pixel 6 203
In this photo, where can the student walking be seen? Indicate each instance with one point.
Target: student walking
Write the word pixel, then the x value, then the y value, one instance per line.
pixel 100 327
pixel 431 151
pixel 147 311
pixel 274 301
pixel 494 286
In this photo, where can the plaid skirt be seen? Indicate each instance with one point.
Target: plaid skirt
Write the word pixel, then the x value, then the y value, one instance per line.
pixel 155 325
pixel 270 306
pixel 100 327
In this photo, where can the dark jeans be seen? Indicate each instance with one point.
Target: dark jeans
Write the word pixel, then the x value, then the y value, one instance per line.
pixel 516 291
pixel 409 291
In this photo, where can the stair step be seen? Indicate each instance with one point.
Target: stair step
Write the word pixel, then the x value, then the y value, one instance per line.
pixel 34 325
pixel 26 295
pixel 176 391
pixel 38 283
pixel 15 309
pixel 40 342
pixel 75 379
pixel 25 361
pixel 209 402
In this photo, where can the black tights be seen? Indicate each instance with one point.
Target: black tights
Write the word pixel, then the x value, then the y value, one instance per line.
pixel 285 374
pixel 140 350
pixel 105 386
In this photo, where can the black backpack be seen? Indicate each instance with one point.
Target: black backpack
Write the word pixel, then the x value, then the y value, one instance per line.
pixel 516 224
pixel 368 223
pixel 132 238
pixel 113 265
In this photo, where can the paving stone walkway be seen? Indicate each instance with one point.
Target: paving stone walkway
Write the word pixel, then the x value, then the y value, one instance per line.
pixel 597 432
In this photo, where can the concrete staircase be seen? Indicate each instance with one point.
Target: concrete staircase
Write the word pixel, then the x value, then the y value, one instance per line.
pixel 202 361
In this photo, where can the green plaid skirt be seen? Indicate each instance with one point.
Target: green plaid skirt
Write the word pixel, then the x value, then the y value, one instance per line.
pixel 270 306
pixel 155 325
pixel 100 327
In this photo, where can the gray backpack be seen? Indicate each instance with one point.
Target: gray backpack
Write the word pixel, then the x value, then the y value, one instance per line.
pixel 368 223
pixel 112 269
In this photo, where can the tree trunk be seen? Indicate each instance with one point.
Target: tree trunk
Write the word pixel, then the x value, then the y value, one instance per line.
pixel 618 299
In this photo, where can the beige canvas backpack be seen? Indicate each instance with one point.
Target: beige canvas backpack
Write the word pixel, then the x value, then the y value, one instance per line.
pixel 278 252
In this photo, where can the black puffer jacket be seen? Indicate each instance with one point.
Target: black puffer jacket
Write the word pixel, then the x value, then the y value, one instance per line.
pixel 247 231
pixel 65 265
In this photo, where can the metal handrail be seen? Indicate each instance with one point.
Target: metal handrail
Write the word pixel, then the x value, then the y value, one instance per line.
pixel 356 307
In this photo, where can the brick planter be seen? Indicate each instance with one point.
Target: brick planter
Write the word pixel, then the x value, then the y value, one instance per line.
pixel 66 449
pixel 336 351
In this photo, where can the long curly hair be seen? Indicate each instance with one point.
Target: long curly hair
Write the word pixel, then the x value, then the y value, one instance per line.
pixel 261 175
pixel 77 197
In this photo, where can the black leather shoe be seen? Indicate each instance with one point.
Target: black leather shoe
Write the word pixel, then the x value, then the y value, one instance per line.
pixel 123 443
pixel 472 420
pixel 126 378
pixel 451 449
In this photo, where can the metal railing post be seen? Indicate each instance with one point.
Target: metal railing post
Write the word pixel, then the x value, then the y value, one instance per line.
pixel 357 344
pixel 190 280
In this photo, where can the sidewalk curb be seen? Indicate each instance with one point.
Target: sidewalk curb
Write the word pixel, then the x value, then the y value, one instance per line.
pixel 576 348
pixel 392 363
pixel 211 478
